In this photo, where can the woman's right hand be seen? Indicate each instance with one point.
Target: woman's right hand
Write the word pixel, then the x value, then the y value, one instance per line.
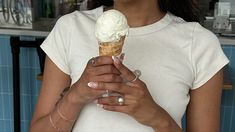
pixel 98 69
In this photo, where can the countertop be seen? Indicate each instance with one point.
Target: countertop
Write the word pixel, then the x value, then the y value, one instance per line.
pixel 39 28
pixel 40 31
pixel 226 40
pixel 23 32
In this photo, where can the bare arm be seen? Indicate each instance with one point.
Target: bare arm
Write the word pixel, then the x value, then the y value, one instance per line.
pixel 203 112
pixel 47 116
pixel 54 82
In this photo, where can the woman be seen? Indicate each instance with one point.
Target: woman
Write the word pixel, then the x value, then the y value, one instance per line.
pixel 181 70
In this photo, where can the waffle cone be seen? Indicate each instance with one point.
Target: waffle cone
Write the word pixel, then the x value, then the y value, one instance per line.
pixel 111 48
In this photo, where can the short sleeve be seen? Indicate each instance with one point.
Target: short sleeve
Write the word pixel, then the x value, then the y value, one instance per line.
pixel 56 45
pixel 207 56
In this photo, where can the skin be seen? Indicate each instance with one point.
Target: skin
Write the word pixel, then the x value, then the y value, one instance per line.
pixel 104 75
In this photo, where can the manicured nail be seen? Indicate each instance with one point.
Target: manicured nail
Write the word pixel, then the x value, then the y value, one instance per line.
pixel 100 105
pixel 92 84
pixel 116 59
pixel 122 57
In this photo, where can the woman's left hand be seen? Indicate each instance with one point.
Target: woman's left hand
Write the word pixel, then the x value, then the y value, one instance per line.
pixel 138 102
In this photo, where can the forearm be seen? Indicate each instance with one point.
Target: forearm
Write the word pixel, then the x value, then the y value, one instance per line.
pixel 163 122
pixel 53 122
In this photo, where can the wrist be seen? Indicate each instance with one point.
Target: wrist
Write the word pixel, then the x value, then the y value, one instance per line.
pixel 163 121
pixel 64 114
pixel 69 108
pixel 73 98
pixel 164 125
pixel 158 122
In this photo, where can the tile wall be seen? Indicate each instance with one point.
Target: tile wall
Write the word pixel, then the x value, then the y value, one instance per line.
pixel 29 68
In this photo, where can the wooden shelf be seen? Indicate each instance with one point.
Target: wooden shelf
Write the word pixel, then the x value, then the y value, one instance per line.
pixel 227 87
pixel 227 79
pixel 40 77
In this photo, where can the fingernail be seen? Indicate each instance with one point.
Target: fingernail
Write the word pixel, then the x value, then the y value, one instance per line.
pixel 116 59
pixel 122 57
pixel 92 84
pixel 100 105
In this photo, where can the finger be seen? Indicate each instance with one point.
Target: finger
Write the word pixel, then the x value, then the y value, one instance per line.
pixel 116 108
pixel 95 93
pixel 100 60
pixel 126 73
pixel 114 87
pixel 122 57
pixel 105 69
pixel 113 100
pixel 107 78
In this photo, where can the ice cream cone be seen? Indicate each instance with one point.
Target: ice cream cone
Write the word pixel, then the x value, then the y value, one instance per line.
pixel 111 48
pixel 111 28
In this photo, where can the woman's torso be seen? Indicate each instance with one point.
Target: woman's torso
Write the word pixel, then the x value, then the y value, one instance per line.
pixel 161 51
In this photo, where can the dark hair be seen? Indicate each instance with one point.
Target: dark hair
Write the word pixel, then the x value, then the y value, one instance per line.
pixel 186 9
pixel 96 3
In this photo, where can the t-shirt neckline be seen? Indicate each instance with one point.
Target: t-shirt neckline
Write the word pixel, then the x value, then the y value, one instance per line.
pixel 163 22
pixel 158 25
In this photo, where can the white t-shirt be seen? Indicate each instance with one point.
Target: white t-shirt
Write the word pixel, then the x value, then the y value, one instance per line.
pixel 173 56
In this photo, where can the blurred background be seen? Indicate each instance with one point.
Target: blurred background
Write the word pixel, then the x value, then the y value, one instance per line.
pixel 28 13
pixel 24 24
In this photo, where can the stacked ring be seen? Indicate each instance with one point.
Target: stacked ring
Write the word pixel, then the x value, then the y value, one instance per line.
pixel 120 100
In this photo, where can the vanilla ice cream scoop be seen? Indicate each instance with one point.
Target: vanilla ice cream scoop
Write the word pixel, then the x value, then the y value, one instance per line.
pixel 111 26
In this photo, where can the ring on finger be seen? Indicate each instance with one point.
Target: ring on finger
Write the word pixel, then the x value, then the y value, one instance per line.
pixel 137 74
pixel 106 94
pixel 120 100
